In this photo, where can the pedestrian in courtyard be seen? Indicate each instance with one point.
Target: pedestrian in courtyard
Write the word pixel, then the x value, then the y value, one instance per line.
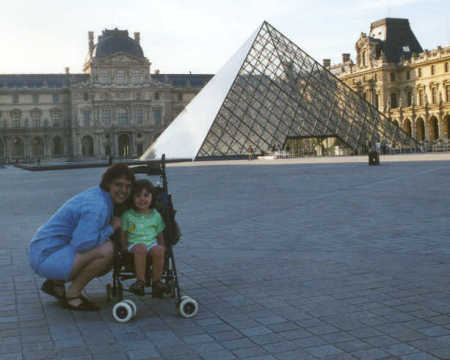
pixel 74 244
pixel 250 152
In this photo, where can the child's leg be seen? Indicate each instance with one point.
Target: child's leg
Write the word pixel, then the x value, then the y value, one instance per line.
pixel 157 253
pixel 140 260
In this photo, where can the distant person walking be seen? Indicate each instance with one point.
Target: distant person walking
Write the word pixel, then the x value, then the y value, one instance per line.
pixel 250 152
pixel 74 246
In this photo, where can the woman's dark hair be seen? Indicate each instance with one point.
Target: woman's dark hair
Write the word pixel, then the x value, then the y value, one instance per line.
pixel 116 171
pixel 139 185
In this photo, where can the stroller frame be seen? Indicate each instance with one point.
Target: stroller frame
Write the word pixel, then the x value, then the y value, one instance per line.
pixel 123 262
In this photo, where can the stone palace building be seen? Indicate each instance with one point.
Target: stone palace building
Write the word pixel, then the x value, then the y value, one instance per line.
pixel 408 84
pixel 117 107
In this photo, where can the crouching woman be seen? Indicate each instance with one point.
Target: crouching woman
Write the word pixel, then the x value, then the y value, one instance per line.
pixel 74 246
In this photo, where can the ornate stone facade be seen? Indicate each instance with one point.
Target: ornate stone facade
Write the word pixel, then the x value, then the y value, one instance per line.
pixel 409 85
pixel 116 108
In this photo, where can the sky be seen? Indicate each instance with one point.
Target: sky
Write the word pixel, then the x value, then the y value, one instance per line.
pixel 199 36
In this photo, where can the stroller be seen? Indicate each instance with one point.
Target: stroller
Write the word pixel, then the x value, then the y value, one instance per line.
pixel 123 261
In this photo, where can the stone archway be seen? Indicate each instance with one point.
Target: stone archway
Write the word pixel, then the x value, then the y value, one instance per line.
pixel 446 125
pixel 434 128
pixel 18 148
pixel 124 145
pixel 407 126
pixel 37 147
pixel 87 146
pixel 58 148
pixel 420 129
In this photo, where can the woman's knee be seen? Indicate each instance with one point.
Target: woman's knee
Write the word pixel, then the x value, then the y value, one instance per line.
pixel 106 250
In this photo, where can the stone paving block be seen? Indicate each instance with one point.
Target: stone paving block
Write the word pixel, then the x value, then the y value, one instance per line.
pixel 419 356
pixel 254 331
pixel 371 354
pixel 250 352
pixel 323 350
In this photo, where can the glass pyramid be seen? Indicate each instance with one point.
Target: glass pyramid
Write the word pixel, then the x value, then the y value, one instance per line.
pixel 268 92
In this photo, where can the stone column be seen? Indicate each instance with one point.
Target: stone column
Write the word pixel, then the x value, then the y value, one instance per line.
pixel 133 144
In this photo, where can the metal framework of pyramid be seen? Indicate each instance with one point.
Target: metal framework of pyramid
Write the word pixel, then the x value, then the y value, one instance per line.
pixel 269 91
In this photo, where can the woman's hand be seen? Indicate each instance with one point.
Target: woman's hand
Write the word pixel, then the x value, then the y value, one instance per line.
pixel 115 222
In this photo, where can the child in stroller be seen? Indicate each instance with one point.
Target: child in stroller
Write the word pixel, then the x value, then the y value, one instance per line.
pixel 159 270
pixel 142 234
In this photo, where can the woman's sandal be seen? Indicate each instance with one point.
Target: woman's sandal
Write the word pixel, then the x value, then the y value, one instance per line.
pixel 85 304
pixel 50 287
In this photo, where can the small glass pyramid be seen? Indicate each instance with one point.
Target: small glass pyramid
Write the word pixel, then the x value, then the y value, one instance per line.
pixel 268 92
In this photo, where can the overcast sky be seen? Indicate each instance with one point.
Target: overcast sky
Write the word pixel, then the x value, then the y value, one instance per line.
pixel 179 36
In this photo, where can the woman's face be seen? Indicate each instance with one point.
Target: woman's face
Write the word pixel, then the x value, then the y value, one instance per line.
pixel 142 200
pixel 119 190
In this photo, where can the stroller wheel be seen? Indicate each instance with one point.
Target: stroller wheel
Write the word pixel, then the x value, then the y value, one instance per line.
pixel 133 306
pixel 122 312
pixel 187 307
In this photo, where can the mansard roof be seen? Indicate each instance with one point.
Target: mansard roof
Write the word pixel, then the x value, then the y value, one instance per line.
pixel 183 80
pixel 39 80
pixel 398 40
pixel 117 41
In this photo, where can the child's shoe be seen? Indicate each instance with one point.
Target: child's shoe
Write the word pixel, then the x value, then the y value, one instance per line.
pixel 138 288
pixel 159 290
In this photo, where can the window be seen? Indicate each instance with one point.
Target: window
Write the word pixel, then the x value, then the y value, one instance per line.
pixel 377 101
pixel 85 96
pixel 394 100
pixel 15 117
pixel 35 99
pixel 55 99
pixel 36 118
pixel 434 96
pixel 408 75
pixel 409 98
pixel 120 77
pixel 138 77
pixel 56 116
pixel 447 91
pixel 139 116
pixel 432 69
pixel 157 117
pixel 420 98
pixel 156 95
pixel 446 67
pixel 180 97
pixel 419 72
pixel 86 117
pixel 105 77
pixel 26 123
pixel 15 99
pixel 107 116
pixel 122 116
pixel 392 76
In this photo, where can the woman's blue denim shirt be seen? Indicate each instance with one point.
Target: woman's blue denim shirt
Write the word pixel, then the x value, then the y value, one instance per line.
pixel 82 222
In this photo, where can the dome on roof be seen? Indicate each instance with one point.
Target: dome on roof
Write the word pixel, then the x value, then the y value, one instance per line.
pixel 116 41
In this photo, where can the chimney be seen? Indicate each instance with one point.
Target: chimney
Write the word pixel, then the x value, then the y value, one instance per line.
pixel 91 41
pixel 157 71
pixel 67 70
pixel 326 63
pixel 137 37
pixel 345 57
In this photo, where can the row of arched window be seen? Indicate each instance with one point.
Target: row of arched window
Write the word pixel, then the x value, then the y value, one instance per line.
pixel 17 148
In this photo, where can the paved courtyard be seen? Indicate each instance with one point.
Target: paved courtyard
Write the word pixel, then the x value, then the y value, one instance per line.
pixel 312 259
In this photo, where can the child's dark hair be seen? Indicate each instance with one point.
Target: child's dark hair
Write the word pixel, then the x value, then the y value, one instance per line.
pixel 138 186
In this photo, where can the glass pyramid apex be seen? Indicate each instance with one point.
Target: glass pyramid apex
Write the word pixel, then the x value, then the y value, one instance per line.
pixel 268 92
